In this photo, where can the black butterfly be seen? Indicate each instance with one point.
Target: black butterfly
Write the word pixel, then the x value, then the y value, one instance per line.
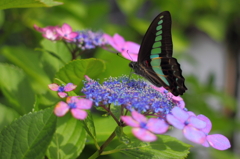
pixel 155 61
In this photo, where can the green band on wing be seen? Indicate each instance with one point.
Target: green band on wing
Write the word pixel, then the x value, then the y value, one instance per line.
pixel 158 38
pixel 161 75
pixel 157 44
pixel 154 56
pixel 156 51
pixel 159 32
pixel 160 22
pixel 159 27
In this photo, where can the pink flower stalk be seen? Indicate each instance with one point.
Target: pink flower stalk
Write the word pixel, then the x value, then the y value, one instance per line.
pixel 62 89
pixel 128 49
pixel 75 105
pixel 66 32
pixel 48 32
pixel 144 128
pixel 196 129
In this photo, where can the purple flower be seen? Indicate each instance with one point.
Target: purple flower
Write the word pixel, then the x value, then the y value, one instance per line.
pixel 48 32
pixel 144 128
pixel 129 93
pixel 128 49
pixel 75 105
pixel 196 129
pixel 66 32
pixel 62 89
pixel 87 39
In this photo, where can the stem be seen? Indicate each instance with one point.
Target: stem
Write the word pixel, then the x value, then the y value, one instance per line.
pixel 108 110
pixel 99 152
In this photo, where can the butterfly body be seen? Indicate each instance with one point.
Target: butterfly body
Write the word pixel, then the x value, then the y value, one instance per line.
pixel 155 61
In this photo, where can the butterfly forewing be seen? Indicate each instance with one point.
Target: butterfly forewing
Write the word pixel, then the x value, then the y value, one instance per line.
pixel 158 38
pixel 155 61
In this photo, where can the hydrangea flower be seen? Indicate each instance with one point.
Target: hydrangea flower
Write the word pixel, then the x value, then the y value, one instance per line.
pixel 128 49
pixel 87 39
pixel 144 128
pixel 196 129
pixel 131 94
pixel 48 32
pixel 66 32
pixel 62 89
pixel 75 105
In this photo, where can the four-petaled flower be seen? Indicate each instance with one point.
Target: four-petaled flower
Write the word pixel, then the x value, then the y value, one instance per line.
pixel 144 128
pixel 128 49
pixel 62 89
pixel 66 32
pixel 196 129
pixel 48 32
pixel 75 105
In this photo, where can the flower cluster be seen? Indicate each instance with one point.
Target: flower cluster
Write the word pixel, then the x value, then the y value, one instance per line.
pixel 73 103
pixel 132 94
pixel 146 100
pixel 87 39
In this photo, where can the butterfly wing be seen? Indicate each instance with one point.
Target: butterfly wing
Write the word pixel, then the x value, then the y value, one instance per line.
pixel 155 56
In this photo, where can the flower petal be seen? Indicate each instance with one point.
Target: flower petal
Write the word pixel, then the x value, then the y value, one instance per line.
pixel 129 56
pixel 208 126
pixel 197 123
pixel 131 47
pixel 119 42
pixel 53 86
pixel 61 109
pixel 79 114
pixel 62 94
pixel 72 99
pixel 66 29
pixel 180 114
pixel 144 135
pixel 84 103
pixel 175 122
pixel 69 87
pixel 130 121
pixel 138 117
pixel 157 126
pixel 194 135
pixel 218 141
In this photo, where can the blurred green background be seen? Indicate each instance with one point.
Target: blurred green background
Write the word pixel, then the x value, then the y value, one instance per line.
pixel 206 41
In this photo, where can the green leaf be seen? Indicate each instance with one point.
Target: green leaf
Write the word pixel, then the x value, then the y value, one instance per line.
pixel 16 88
pixel 89 126
pixel 4 4
pixel 59 49
pixel 69 139
pixel 28 60
pixel 75 70
pixel 7 115
pixel 122 136
pixel 164 147
pixel 29 136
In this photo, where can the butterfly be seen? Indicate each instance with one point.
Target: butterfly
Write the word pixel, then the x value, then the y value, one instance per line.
pixel 155 61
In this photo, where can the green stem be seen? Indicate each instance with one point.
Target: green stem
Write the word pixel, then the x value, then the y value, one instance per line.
pixel 99 152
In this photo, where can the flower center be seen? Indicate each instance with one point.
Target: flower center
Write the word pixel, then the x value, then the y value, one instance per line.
pixel 72 105
pixel 143 125
pixel 61 89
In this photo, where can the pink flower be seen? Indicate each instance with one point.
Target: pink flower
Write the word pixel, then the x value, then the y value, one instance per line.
pixel 188 123
pixel 75 105
pixel 176 99
pixel 62 89
pixel 128 49
pixel 143 128
pixel 48 32
pixel 217 141
pixel 196 129
pixel 66 32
